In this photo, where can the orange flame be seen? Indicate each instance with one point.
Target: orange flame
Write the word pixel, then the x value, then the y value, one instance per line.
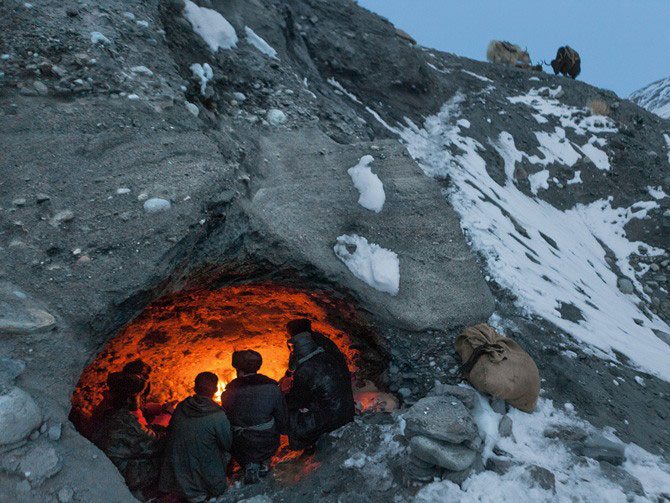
pixel 220 388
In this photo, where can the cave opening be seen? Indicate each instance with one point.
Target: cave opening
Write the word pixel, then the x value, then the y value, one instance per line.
pixel 185 333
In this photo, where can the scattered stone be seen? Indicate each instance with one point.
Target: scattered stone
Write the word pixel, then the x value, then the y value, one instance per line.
pixel 42 198
pixel 625 286
pixel 505 426
pixel 460 476
pixel 542 477
pixel 19 415
pixel 123 190
pixel 156 204
pixel 19 314
pixel 192 108
pixel 601 449
pixel 450 456
pixel 84 259
pixel 275 117
pixel 441 418
pixel 55 431
pixel 40 463
pixel 10 369
pixel 627 482
pixel 23 486
pixel 655 267
pixel 41 88
pixel 19 201
pixel 99 38
pixel 142 70
pixel 465 395
pixel 239 96
pixel 500 465
pixel 62 216
pixel 59 71
pixel 405 392
pixel 498 406
pixel 43 428
pixel 572 433
pixel 65 495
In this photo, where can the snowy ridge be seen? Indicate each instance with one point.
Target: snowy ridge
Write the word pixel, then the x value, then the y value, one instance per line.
pixel 655 97
pixel 547 257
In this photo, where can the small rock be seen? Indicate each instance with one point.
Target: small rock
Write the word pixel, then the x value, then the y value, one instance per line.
pixel 498 406
pixel 62 216
pixel 655 267
pixel 405 392
pixel 505 426
pixel 601 449
pixel 35 435
pixel 664 336
pixel 625 286
pixel 499 465
pixel 622 478
pixel 542 477
pixel 23 486
pixel 55 431
pixel 572 433
pixel 84 259
pixel 156 204
pixel 40 463
pixel 10 369
pixel 20 314
pixel 239 96
pixel 41 88
pixel 192 108
pixel 19 202
pixel 42 198
pixel 142 70
pixel 43 428
pixel 59 71
pixel 275 117
pixel 453 457
pixel 123 190
pixel 442 418
pixel 65 495
pixel 19 415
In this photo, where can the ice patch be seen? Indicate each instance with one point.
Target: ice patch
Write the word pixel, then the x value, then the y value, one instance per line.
pixel 539 180
pixel 340 88
pixel 204 73
pixel 212 27
pixel 477 76
pixel 376 266
pixel 260 43
pixel 368 184
pixel 547 257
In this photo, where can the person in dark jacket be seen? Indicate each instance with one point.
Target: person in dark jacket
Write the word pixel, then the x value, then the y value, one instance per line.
pixel 126 438
pixel 197 446
pixel 320 399
pixel 303 325
pixel 258 415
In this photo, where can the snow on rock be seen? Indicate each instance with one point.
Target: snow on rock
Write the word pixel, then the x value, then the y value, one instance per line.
pixel 655 97
pixel 539 180
pixel 376 266
pixel 341 89
pixel 212 27
pixel 368 184
pixel 477 76
pixel 259 43
pixel 204 73
pixel 546 256
pixel 597 156
pixel 657 192
pixel 575 179
pixel 531 446
pixel 99 38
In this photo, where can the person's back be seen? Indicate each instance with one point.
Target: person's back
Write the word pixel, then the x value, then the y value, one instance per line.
pixel 197 446
pixel 322 388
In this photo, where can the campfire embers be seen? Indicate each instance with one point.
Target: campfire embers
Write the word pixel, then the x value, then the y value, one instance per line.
pixel 183 334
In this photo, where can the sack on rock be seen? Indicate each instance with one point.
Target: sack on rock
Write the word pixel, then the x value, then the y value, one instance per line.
pixel 499 367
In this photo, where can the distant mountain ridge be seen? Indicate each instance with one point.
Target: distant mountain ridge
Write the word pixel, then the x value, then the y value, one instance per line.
pixel 655 97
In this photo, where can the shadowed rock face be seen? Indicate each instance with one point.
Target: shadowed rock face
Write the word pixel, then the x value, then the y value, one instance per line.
pixel 251 201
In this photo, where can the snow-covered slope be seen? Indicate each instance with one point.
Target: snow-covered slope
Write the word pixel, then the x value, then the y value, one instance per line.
pixel 655 97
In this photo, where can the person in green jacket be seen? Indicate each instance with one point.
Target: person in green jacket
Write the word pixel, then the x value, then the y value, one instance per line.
pixel 197 450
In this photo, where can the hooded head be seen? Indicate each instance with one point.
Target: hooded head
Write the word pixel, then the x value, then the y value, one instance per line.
pixel 298 326
pixel 206 384
pixel 125 389
pixel 302 345
pixel 247 361
pixel 138 368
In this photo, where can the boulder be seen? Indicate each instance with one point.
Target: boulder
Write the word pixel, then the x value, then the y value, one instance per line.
pixel 453 457
pixel 10 369
pixel 19 415
pixel 460 476
pixel 627 482
pixel 39 463
pixel 19 314
pixel 465 395
pixel 418 470
pixel 542 477
pixel 442 418
pixel 601 449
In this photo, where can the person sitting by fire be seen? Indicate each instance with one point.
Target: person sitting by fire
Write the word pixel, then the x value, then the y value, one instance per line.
pixel 257 412
pixel 197 450
pixel 127 440
pixel 320 398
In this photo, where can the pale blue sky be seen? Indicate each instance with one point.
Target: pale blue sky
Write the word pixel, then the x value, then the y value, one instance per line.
pixel 624 44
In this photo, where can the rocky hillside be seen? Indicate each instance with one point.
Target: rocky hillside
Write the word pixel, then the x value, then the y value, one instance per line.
pixel 655 97
pixel 146 151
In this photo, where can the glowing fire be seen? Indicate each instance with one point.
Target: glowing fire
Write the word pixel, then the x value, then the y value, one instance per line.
pixel 220 388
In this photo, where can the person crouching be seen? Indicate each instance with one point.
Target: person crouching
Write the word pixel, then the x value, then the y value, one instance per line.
pixel 257 413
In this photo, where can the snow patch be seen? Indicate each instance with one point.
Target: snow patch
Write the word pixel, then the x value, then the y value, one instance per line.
pixel 577 178
pixel 657 192
pixel 340 88
pixel 260 43
pixel 368 184
pixel 211 26
pixel 99 38
pixel 597 156
pixel 376 266
pixel 204 73
pixel 546 256
pixel 477 76
pixel 539 180
pixel 667 142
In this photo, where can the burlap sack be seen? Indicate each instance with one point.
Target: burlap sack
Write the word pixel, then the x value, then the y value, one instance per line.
pixel 506 372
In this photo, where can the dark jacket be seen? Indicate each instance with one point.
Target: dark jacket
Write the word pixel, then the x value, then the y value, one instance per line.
pixel 328 346
pixel 132 447
pixel 197 450
pixel 255 401
pixel 321 385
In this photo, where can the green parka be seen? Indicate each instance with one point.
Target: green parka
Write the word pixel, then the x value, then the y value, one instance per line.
pixel 197 450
